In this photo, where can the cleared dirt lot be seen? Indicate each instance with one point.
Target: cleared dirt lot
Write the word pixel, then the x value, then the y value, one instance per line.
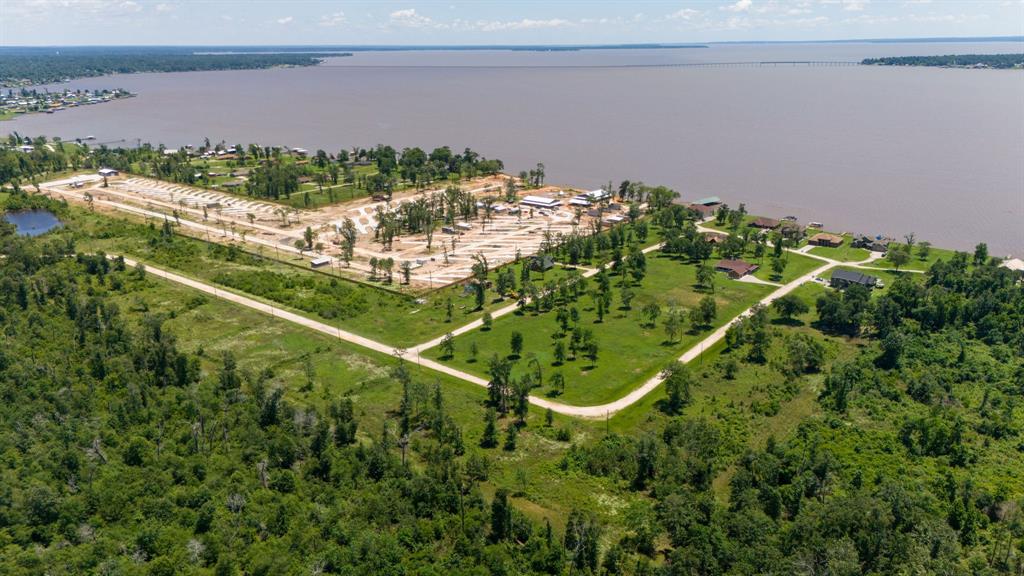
pixel 227 218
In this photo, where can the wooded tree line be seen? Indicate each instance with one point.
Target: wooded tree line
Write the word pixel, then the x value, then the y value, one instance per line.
pixel 967 60
pixel 51 68
pixel 942 373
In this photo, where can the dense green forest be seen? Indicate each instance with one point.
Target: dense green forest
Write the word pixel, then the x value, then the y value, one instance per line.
pixel 957 60
pixel 46 68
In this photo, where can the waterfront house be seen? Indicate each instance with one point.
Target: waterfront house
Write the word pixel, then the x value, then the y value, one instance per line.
pixel 736 269
pixel 876 244
pixel 826 239
pixel 845 278
pixel 764 223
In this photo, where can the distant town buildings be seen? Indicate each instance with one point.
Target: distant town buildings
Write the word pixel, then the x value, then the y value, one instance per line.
pixel 26 101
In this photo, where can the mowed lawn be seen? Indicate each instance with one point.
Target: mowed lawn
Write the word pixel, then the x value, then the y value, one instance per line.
pixel 629 352
pixel 796 266
pixel 844 253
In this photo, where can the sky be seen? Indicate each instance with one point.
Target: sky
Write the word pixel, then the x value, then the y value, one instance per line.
pixel 255 22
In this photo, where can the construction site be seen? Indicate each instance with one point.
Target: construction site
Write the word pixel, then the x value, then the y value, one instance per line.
pixel 432 237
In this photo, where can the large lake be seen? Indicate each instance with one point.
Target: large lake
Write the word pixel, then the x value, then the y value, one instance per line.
pixel 879 150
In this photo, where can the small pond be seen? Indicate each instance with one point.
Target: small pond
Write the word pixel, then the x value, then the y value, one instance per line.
pixel 33 222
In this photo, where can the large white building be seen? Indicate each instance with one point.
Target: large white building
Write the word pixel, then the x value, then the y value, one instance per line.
pixel 540 202
pixel 588 198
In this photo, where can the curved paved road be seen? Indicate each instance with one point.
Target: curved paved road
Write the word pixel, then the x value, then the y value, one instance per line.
pixel 599 411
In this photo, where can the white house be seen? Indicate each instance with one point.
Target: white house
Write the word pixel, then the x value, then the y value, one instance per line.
pixel 106 172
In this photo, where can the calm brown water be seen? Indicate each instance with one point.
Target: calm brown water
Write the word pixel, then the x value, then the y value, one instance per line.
pixel 865 149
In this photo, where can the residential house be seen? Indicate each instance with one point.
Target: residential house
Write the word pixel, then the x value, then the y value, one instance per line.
pixel 765 223
pixel 845 278
pixel 736 269
pixel 826 239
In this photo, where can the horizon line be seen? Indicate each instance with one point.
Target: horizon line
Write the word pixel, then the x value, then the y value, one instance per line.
pixel 369 46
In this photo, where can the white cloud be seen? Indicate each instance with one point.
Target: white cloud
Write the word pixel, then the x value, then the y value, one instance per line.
pixel 129 6
pixel 527 24
pixel 409 18
pixel 849 5
pixel 684 14
pixel 739 6
pixel 948 18
pixel 335 19
pixel 163 7
pixel 285 20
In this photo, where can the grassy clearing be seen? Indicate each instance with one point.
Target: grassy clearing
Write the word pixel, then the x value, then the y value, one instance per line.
pixel 844 253
pixel 397 319
pixel 796 266
pixel 916 262
pixel 344 370
pixel 629 352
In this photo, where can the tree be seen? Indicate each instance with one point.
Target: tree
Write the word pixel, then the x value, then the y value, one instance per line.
pixel 486 321
pixel 511 431
pixel 677 387
pixel 706 276
pixel 559 352
pixel 516 344
pixel 705 312
pixel 673 324
pixel 790 305
pixel 582 540
pixel 924 248
pixel 626 295
pixel 980 254
pixel 778 267
pixel 309 236
pixel 897 256
pixel 406 271
pixel 348 240
pixel 651 311
pixel 490 435
pixel 501 516
pixel 449 310
pixel 448 346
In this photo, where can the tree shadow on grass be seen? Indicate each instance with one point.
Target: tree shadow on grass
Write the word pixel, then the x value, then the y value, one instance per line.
pixel 795 322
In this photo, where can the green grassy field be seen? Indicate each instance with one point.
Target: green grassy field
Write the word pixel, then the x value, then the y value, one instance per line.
pixel 344 370
pixel 796 266
pixel 397 319
pixel 844 253
pixel 629 352
pixel 916 262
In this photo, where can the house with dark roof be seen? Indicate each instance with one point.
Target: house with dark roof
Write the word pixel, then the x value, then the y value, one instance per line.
pixel 766 223
pixel 846 278
pixel 736 269
pixel 826 239
pixel 876 244
pixel 541 263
